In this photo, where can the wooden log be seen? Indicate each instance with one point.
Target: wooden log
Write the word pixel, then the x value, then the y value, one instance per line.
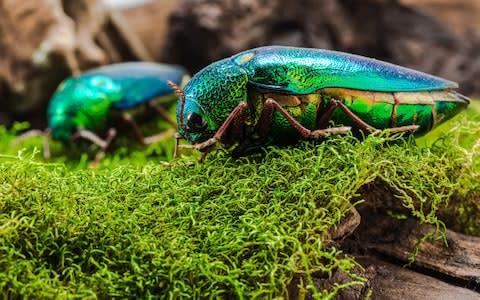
pixel 56 39
pixel 459 260
pixel 149 23
pixel 348 225
pixel 393 282
pixel 385 281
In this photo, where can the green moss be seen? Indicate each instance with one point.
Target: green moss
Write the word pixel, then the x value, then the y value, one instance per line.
pixel 138 228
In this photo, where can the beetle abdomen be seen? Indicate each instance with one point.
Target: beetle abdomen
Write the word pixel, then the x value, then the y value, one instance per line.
pixel 381 110
pixel 386 110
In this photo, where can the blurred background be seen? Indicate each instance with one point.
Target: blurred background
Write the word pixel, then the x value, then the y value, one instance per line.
pixel 44 41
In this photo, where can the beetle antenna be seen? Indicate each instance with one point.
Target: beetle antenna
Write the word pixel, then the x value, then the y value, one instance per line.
pixel 181 94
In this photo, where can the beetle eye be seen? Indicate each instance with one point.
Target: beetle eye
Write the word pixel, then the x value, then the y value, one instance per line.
pixel 195 122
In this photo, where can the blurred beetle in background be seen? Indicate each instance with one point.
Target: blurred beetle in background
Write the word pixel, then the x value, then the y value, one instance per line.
pixel 99 99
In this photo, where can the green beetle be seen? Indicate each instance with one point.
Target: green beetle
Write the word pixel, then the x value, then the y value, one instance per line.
pixel 100 99
pixel 278 95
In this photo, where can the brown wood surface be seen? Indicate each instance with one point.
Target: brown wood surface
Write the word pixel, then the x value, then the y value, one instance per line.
pixel 396 283
pixel 397 238
pixel 460 15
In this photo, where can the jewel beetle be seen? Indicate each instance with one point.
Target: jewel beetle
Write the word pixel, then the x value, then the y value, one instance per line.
pixel 278 95
pixel 96 101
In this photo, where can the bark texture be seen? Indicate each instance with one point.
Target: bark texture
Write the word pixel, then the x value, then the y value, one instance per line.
pixel 44 41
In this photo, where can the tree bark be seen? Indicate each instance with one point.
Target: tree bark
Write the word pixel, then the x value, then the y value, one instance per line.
pixel 457 261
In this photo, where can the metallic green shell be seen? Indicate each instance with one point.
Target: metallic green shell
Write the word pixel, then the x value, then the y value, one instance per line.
pixel 84 101
pixel 140 82
pixel 305 70
pixel 81 102
pixel 215 91
pixel 212 93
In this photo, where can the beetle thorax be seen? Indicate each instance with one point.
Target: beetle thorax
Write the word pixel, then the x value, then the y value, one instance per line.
pixel 80 103
pixel 210 97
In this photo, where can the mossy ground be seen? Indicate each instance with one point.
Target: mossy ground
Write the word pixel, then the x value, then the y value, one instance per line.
pixel 139 228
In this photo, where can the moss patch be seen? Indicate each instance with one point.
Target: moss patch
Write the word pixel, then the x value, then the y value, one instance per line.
pixel 138 228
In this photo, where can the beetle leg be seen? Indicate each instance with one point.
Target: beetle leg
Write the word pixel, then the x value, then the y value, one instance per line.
pixel 322 122
pixel 32 133
pixel 90 136
pixel 127 118
pixel 159 137
pixel 334 103
pixel 26 135
pixel 163 113
pixel 100 154
pixel 235 118
pixel 267 115
pixel 46 145
pixel 138 132
pixel 177 144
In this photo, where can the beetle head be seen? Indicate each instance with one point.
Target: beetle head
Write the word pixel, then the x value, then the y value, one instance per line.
pixel 208 98
pixel 81 102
